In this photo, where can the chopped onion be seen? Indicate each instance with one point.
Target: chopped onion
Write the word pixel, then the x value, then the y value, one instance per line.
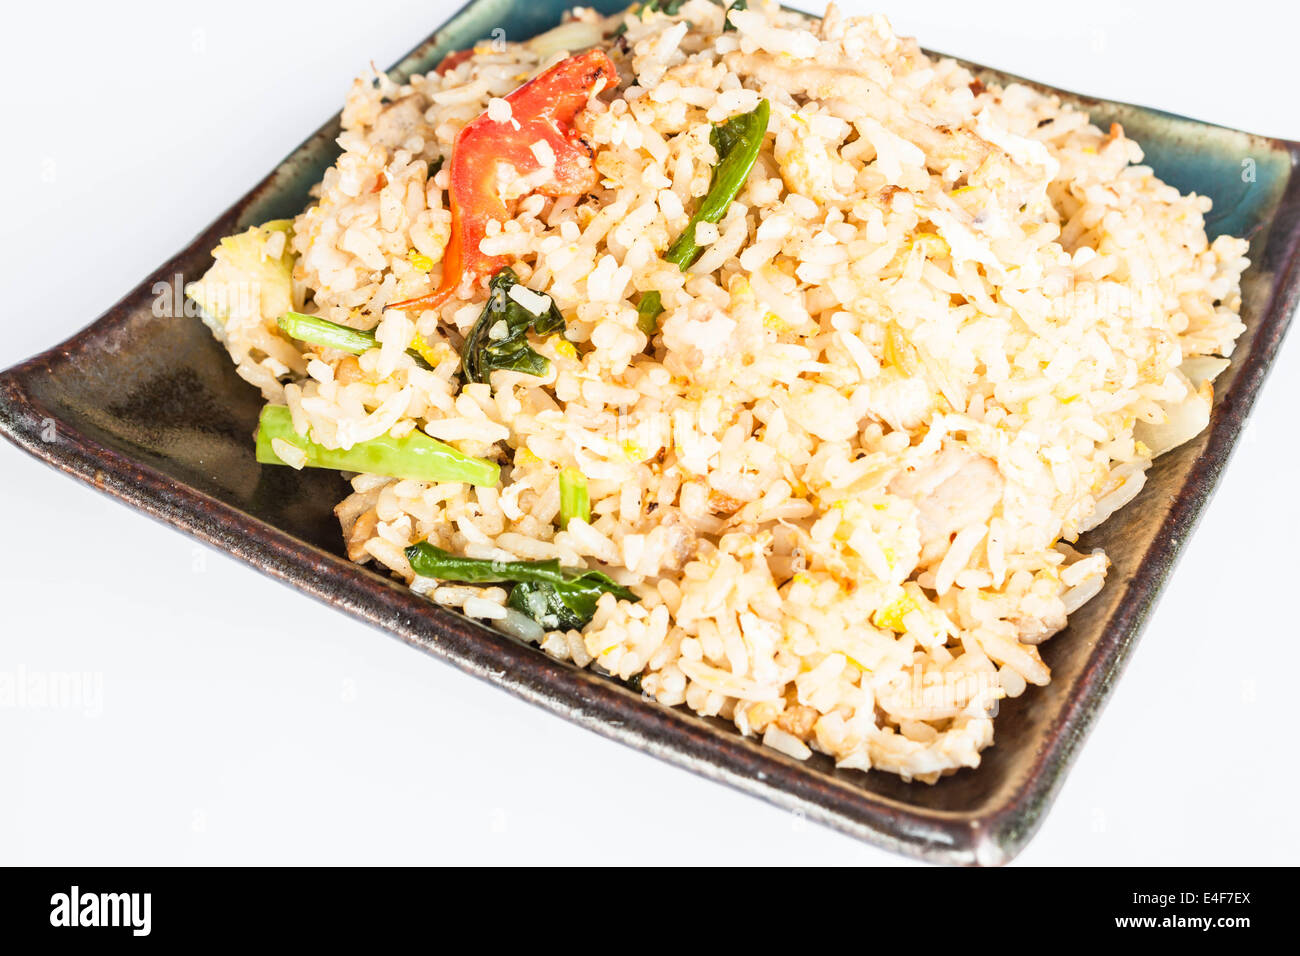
pixel 567 38
pixel 1203 368
pixel 1187 418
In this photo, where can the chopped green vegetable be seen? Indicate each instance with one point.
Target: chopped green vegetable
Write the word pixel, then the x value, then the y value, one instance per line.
pixel 574 500
pixel 669 7
pixel 726 20
pixel 737 142
pixel 647 312
pixel 314 330
pixel 414 455
pixel 317 331
pixel 556 598
pixel 499 339
pixel 555 607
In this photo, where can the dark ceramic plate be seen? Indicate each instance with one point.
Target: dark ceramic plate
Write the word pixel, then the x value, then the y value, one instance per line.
pixel 148 409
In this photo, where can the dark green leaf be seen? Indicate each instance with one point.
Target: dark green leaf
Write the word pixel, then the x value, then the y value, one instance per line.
pixel 482 355
pixel 726 136
pixel 555 607
pixel 726 21
pixel 556 598
pixel 669 7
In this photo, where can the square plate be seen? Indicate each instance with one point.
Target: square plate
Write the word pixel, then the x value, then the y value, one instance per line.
pixel 147 408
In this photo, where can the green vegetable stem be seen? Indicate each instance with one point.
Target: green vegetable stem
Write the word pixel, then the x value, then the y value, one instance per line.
pixel 414 455
pixel 737 142
pixel 314 330
pixel 574 500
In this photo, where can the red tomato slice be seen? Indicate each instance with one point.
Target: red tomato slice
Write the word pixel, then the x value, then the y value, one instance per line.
pixel 544 109
pixel 453 60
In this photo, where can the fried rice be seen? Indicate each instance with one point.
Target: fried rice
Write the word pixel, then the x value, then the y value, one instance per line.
pixel 941 330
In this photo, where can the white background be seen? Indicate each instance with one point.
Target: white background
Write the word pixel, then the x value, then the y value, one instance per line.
pixel 242 722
